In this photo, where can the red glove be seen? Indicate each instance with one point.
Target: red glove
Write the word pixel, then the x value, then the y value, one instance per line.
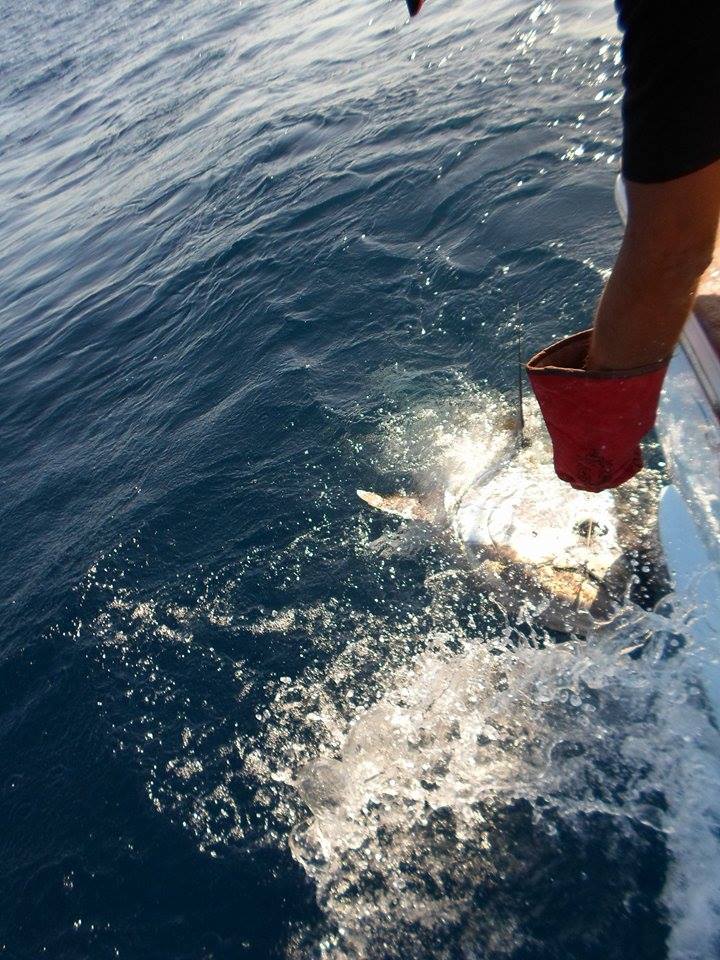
pixel 596 419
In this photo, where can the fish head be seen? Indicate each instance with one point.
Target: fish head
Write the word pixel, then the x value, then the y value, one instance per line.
pixel 536 539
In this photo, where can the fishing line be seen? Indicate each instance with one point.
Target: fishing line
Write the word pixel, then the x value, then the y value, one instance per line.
pixel 520 371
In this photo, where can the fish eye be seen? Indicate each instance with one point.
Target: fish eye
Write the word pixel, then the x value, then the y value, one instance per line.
pixel 590 528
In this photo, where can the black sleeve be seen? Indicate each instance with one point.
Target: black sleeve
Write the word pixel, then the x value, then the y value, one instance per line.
pixel 671 104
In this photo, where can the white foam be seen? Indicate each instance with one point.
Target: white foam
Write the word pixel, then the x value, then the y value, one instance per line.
pixel 428 761
pixel 579 729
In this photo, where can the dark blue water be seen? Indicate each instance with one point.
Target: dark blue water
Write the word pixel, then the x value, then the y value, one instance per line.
pixel 240 245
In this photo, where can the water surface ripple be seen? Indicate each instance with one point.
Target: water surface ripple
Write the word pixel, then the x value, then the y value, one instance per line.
pixel 253 256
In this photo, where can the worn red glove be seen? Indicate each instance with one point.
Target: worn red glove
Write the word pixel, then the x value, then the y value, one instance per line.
pixel 596 419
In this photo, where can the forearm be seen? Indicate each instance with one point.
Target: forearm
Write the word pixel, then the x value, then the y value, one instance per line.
pixel 641 312
pixel 668 244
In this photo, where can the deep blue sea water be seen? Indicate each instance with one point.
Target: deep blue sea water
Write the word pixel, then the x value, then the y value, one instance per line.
pixel 242 246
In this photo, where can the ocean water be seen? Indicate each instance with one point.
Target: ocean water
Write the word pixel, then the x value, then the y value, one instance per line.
pixel 252 257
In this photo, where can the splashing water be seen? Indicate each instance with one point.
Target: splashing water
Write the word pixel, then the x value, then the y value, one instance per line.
pixel 452 781
pixel 432 821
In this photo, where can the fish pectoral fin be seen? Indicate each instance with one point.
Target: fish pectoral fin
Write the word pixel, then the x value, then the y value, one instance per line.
pixel 409 508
